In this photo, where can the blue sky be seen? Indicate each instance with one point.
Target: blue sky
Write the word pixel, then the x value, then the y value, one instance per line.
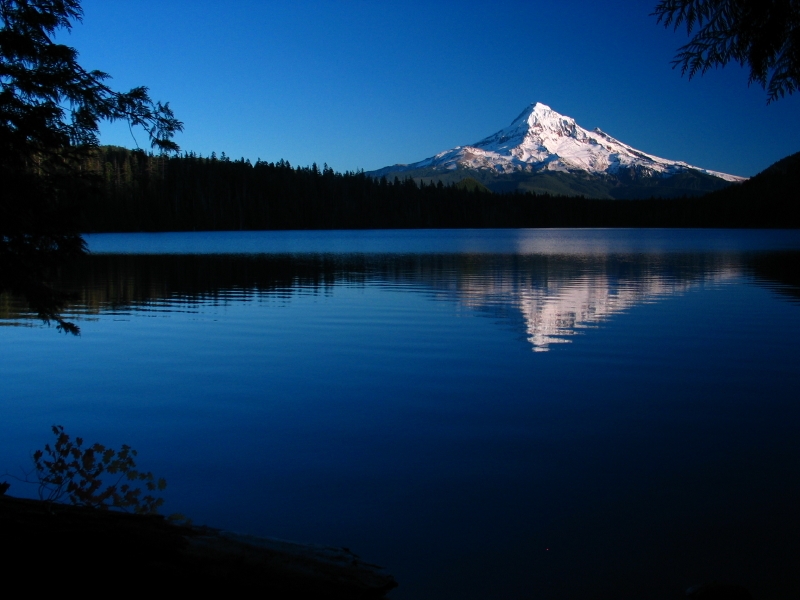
pixel 363 85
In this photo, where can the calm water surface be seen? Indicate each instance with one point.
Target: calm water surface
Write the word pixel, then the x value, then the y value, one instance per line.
pixel 488 414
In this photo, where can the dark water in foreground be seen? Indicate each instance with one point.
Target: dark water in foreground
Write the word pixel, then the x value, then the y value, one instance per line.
pixel 488 414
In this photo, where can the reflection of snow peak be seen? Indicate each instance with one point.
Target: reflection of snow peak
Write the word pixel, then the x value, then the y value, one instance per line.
pixel 558 309
pixel 551 315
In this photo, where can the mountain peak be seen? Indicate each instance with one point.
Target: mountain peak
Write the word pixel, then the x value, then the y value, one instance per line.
pixel 535 133
pixel 541 139
pixel 536 110
pixel 542 116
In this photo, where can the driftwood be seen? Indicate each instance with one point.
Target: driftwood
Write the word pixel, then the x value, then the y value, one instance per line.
pixel 55 545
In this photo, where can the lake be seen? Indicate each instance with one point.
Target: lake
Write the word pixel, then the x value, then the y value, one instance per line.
pixel 485 413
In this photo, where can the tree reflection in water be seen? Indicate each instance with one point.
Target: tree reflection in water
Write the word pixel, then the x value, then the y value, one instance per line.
pixel 555 296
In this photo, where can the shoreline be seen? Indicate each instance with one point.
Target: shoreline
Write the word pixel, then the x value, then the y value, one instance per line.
pixel 73 544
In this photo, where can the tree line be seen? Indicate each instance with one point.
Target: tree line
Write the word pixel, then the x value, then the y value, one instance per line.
pixel 133 190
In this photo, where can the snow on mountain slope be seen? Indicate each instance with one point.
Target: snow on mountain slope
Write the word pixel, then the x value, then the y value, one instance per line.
pixel 540 139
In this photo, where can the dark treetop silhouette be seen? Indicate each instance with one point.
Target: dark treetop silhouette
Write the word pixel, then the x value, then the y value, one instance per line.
pixel 50 110
pixel 762 34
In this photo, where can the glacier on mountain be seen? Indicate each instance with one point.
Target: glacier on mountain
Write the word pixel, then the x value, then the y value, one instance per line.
pixel 540 139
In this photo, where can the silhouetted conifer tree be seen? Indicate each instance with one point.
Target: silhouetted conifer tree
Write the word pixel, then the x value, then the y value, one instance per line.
pixel 50 109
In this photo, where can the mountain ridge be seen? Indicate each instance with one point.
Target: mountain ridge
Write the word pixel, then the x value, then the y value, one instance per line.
pixel 542 142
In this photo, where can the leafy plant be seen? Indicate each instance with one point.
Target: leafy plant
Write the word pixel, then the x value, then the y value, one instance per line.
pixel 66 471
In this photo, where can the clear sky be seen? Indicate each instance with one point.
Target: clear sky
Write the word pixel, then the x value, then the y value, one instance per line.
pixel 363 84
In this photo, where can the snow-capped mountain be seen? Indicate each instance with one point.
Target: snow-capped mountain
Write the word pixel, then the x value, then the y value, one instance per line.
pixel 539 141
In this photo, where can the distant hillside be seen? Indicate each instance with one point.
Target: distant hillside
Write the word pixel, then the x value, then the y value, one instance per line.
pixel 621 186
pixel 778 184
pixel 471 185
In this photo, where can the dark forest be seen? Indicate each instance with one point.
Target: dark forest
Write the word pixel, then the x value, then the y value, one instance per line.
pixel 131 190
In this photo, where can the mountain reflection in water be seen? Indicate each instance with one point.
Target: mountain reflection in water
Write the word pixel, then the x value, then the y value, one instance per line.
pixel 556 296
pixel 378 390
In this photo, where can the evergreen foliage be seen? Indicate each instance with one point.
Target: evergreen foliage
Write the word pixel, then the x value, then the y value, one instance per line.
pixel 762 34
pixel 50 110
pixel 146 192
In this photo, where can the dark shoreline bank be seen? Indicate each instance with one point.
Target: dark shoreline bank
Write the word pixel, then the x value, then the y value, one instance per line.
pixel 66 545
